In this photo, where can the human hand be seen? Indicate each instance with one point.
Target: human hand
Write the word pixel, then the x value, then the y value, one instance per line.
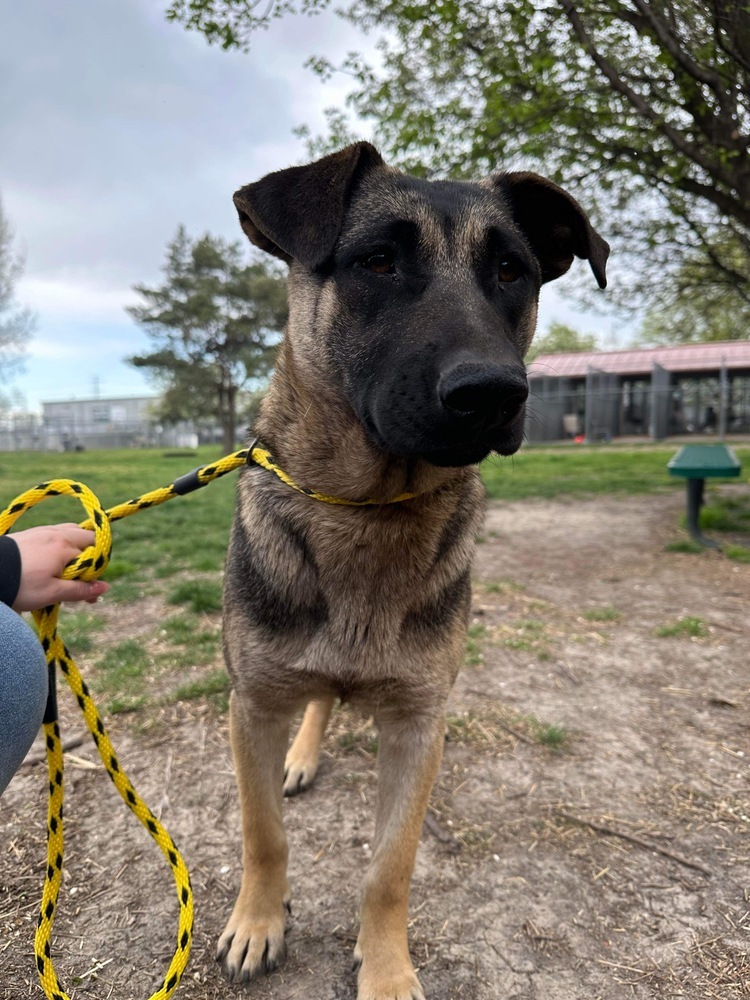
pixel 45 552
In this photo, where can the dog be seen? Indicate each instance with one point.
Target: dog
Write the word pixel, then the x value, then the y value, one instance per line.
pixel 411 306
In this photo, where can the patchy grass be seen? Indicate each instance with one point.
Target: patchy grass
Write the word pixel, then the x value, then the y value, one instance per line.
pixel 606 613
pixel 549 735
pixel 502 586
pixel 740 553
pixel 126 591
pixel 200 595
pixel 215 686
pixel 477 634
pixel 345 735
pixel 495 730
pixel 498 730
pixel 118 568
pixel 726 513
pixel 684 545
pixel 688 626
pixel 488 730
pixel 723 514
pixel 184 659
pixel 78 630
pixel 122 676
pixel 529 635
pixel 183 630
pixel 178 630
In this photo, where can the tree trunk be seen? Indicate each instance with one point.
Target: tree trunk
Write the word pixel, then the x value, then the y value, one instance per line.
pixel 228 396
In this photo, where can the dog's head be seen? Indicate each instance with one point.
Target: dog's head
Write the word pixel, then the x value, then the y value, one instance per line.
pixel 419 297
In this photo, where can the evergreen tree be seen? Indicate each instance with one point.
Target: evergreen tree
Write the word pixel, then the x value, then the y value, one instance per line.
pixel 214 324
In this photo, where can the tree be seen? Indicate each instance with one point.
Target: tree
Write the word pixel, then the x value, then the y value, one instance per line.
pixel 642 106
pixel 16 322
pixel 698 312
pixel 214 323
pixel 559 338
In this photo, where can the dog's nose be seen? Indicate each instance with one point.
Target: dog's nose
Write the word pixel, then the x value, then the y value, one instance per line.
pixel 483 391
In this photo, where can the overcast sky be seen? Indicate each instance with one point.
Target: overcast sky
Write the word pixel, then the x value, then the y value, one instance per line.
pixel 115 128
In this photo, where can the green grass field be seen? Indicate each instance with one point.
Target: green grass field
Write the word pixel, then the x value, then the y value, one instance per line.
pixel 171 556
pixel 191 532
pixel 585 471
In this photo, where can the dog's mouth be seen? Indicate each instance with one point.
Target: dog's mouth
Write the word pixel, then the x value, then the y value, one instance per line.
pixel 474 452
pixel 448 450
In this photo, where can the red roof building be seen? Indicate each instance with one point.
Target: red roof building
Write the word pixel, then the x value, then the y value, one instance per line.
pixel 654 391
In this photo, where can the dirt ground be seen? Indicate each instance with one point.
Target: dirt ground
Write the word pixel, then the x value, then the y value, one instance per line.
pixel 589 835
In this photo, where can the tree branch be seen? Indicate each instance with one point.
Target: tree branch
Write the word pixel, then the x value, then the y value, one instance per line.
pixel 721 35
pixel 678 141
pixel 724 202
pixel 676 47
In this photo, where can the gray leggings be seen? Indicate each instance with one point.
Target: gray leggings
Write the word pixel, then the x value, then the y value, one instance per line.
pixel 23 691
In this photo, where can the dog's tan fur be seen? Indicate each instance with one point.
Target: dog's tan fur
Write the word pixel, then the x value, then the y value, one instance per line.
pixel 368 604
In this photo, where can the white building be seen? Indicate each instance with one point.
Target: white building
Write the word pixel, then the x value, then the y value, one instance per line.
pixel 115 422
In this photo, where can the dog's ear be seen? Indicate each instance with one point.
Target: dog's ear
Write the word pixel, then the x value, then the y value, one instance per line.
pixel 296 214
pixel 554 224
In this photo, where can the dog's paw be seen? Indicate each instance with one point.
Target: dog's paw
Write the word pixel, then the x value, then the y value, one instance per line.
pixel 250 947
pixel 299 772
pixel 383 983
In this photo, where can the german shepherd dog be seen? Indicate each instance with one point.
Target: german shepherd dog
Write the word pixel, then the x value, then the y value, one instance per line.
pixel 411 306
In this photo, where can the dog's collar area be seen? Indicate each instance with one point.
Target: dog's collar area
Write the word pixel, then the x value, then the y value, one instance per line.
pixel 258 455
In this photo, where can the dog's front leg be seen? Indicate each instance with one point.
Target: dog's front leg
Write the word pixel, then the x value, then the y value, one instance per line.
pixel 409 753
pixel 253 940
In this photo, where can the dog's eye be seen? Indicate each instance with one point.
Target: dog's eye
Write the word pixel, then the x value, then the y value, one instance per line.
pixel 380 262
pixel 509 270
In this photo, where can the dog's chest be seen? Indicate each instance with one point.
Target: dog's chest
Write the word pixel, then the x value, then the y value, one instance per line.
pixel 369 576
pixel 352 596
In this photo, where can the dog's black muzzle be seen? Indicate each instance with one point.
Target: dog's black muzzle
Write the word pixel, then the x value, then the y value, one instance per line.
pixel 455 417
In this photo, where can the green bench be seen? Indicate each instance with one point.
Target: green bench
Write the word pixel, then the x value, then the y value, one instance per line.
pixel 696 463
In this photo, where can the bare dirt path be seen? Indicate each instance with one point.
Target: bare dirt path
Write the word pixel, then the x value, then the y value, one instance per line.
pixel 589 835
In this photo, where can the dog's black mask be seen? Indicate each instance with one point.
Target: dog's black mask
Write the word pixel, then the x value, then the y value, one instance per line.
pixel 436 301
pixel 428 291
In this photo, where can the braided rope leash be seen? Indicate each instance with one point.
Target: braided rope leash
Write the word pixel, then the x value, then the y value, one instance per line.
pixel 88 566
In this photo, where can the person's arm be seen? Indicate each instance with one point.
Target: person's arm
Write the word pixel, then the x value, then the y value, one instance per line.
pixel 31 562
pixel 10 570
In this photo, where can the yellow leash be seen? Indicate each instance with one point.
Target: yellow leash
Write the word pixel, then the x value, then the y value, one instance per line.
pixel 88 566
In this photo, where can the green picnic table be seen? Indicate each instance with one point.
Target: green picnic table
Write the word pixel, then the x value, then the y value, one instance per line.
pixel 696 463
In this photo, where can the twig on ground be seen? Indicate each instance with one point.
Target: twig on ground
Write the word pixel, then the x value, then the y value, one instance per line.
pixel 514 732
pixel 40 758
pixel 609 831
pixel 503 725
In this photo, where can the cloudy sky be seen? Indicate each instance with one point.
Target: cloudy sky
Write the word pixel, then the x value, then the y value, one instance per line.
pixel 115 128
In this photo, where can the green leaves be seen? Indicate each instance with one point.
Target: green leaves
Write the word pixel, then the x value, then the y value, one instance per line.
pixel 232 23
pixel 640 107
pixel 560 338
